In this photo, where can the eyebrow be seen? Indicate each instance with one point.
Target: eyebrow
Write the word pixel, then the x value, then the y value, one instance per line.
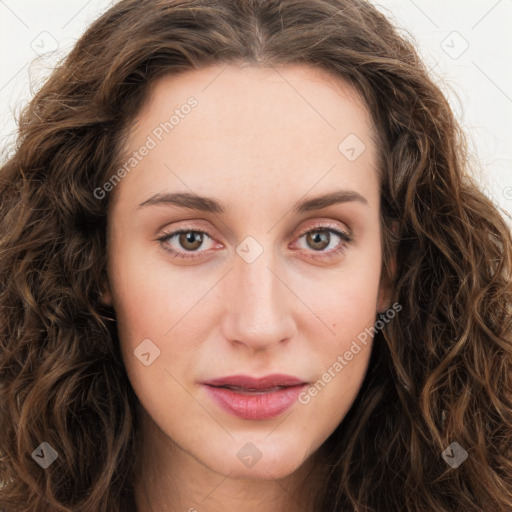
pixel 210 205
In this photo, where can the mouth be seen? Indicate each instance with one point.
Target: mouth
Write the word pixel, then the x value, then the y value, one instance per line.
pixel 252 391
pixel 253 398
pixel 268 382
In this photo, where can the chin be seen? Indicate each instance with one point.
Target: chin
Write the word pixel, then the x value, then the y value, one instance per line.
pixel 258 457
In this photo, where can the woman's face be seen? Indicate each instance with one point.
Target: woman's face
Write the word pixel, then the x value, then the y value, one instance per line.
pixel 271 175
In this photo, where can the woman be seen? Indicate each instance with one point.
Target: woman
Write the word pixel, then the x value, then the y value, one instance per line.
pixel 244 267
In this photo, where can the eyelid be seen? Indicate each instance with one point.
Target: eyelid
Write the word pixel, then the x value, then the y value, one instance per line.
pixel 326 225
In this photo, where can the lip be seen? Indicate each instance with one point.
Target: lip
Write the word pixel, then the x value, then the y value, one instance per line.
pixel 260 383
pixel 255 398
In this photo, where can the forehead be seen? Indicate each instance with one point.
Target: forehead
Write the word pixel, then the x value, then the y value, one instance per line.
pixel 238 93
pixel 253 129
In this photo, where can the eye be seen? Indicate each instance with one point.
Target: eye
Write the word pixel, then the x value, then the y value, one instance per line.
pixel 189 240
pixel 321 237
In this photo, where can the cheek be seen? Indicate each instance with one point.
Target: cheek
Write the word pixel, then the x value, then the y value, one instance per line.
pixel 155 302
pixel 345 299
pixel 149 295
pixel 342 353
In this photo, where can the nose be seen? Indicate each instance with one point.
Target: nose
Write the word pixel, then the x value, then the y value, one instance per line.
pixel 259 309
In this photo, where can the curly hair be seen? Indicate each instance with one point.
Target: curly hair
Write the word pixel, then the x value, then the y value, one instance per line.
pixel 440 372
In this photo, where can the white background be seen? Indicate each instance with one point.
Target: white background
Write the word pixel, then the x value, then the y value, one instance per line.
pixel 467 44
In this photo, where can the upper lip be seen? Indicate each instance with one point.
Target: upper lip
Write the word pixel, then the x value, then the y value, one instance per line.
pixel 248 382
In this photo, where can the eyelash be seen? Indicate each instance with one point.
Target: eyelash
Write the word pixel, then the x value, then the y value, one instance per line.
pixel 345 236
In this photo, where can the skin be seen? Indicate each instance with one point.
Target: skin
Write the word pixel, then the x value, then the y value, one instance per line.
pixel 258 141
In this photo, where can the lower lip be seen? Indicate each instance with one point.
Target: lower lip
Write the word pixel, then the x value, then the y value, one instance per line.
pixel 261 406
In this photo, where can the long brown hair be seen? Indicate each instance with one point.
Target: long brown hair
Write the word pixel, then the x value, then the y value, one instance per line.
pixel 440 372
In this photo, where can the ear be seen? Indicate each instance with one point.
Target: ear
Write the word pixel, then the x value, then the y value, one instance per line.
pixel 106 292
pixel 386 281
pixel 385 289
